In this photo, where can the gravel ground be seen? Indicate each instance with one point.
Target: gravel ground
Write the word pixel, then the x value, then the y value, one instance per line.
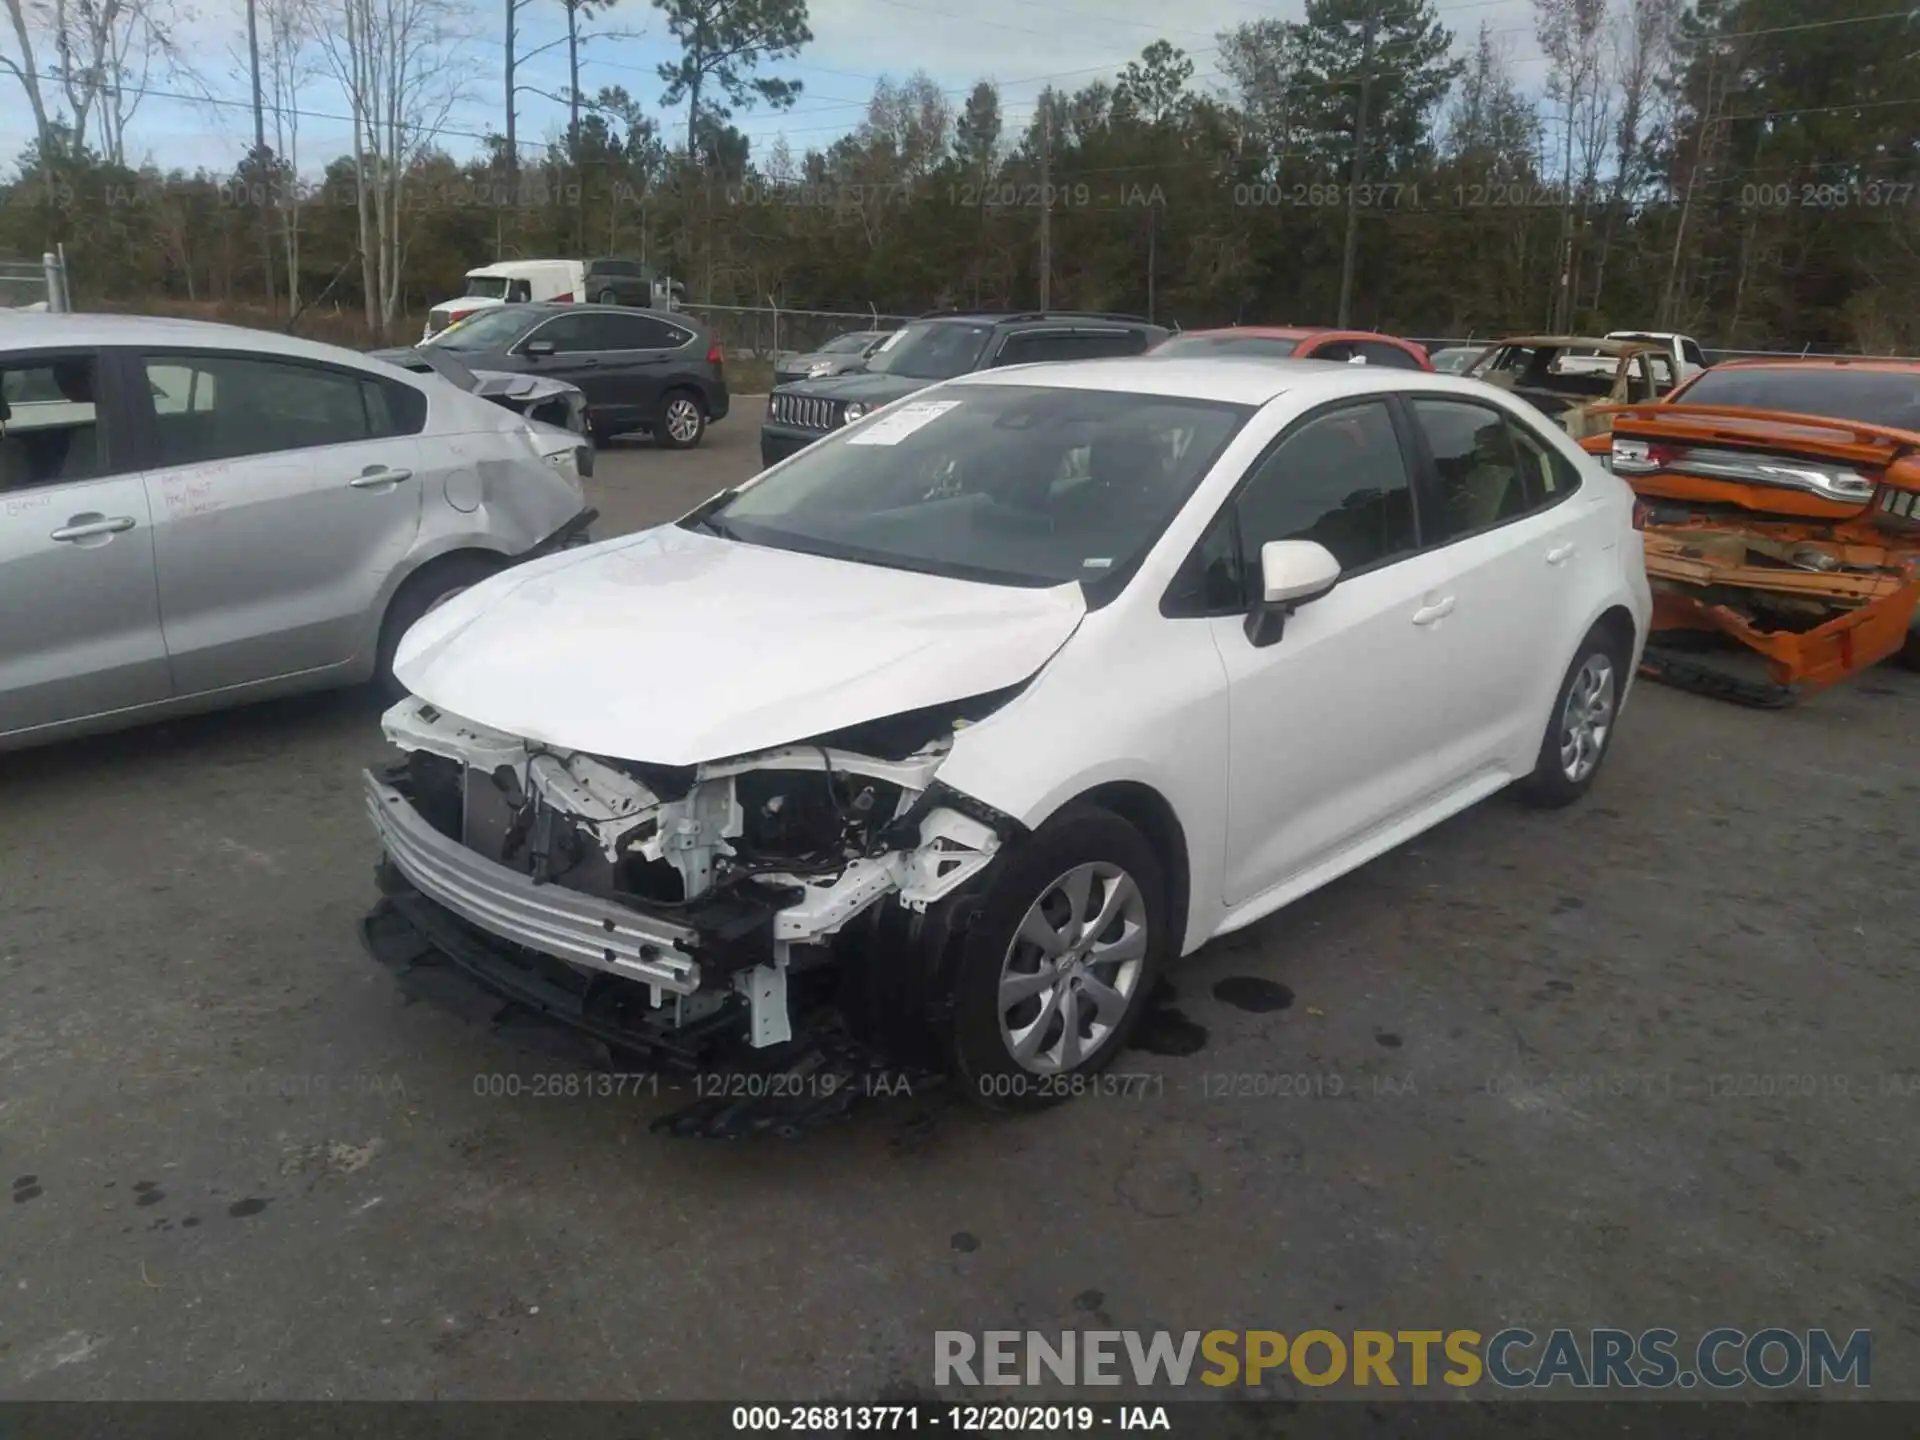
pixel 1647 1062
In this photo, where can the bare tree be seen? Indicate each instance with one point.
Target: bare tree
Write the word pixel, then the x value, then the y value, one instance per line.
pixel 1642 47
pixel 25 19
pixel 403 70
pixel 1569 32
pixel 290 62
pixel 1262 60
pixel 109 52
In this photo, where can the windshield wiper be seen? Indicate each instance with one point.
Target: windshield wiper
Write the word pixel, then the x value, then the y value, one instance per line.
pixel 707 517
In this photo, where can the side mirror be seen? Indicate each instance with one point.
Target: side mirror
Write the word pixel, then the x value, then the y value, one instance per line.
pixel 1292 573
pixel 538 348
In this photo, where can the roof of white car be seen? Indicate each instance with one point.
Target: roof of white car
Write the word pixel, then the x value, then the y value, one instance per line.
pixel 1237 379
pixel 45 331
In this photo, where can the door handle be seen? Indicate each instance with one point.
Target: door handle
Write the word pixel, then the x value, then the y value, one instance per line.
pixel 1559 553
pixel 374 475
pixel 1427 614
pixel 587 361
pixel 82 529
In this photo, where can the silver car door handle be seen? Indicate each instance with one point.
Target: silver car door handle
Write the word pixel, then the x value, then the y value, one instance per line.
pixel 87 529
pixel 1427 614
pixel 369 478
pixel 1559 554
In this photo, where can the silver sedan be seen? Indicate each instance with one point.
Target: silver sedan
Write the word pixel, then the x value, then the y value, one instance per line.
pixel 195 515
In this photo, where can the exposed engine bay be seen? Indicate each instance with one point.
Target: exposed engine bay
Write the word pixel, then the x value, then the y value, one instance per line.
pixel 713 884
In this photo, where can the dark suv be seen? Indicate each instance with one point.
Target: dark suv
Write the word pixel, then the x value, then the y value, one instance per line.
pixel 939 347
pixel 652 370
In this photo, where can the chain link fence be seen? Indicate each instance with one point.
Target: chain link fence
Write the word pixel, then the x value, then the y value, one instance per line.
pixel 764 333
pixel 34 284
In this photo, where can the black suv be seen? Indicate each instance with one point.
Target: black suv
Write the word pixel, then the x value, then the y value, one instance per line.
pixel 653 370
pixel 939 347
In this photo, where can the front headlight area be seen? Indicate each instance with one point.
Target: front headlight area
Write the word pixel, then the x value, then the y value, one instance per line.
pixel 852 411
pixel 815 833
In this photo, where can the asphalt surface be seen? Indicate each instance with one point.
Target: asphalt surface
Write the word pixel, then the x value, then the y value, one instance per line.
pixel 1647 1062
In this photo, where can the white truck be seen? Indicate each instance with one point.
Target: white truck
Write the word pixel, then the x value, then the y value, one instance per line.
pixel 512 282
pixel 1683 350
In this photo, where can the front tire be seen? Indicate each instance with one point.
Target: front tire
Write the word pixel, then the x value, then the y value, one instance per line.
pixel 1586 712
pixel 1055 971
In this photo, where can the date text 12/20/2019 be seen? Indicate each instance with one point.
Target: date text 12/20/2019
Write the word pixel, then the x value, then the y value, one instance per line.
pixel 959 1419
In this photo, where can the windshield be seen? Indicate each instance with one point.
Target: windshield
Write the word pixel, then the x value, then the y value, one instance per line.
pixel 485 330
pixel 1012 484
pixel 1872 397
pixel 846 345
pixel 939 350
pixel 487 287
pixel 1192 347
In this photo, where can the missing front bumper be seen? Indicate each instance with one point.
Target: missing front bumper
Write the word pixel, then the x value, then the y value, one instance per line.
pixel 581 929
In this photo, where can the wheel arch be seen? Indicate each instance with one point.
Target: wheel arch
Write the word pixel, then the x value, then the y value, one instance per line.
pixel 422 559
pixel 692 391
pixel 1153 815
pixel 1618 621
pixel 425 570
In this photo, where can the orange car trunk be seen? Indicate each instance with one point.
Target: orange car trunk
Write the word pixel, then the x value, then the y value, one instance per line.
pixel 1797 535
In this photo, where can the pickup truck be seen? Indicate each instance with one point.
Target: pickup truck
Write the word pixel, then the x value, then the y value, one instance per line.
pixel 1683 350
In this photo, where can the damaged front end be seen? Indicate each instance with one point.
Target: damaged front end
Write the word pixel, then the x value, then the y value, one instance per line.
pixel 677 913
pixel 1797 537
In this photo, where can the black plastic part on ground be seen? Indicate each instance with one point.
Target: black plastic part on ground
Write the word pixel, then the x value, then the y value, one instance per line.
pixel 1670 668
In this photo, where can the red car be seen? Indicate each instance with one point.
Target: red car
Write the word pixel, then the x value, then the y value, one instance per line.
pixel 1351 346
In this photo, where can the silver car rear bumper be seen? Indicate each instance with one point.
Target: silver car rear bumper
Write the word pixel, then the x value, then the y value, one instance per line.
pixel 566 924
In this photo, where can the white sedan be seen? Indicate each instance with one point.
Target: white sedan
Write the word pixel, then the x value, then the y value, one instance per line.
pixel 963 721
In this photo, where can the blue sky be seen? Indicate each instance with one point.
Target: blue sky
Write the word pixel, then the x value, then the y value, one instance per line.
pixel 1022 44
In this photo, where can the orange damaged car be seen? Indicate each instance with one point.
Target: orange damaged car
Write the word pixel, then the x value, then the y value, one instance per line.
pixel 1780 508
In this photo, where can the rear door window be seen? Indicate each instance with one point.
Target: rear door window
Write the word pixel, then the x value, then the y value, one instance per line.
pixel 1107 344
pixel 222 407
pixel 1030 347
pixel 1340 350
pixel 1376 352
pixel 571 334
pixel 635 332
pixel 1476 464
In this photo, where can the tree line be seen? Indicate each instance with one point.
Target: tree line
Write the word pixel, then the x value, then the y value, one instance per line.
pixel 1743 170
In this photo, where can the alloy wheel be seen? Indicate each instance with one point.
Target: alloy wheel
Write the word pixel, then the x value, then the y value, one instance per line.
pixel 683 420
pixel 1587 718
pixel 1072 968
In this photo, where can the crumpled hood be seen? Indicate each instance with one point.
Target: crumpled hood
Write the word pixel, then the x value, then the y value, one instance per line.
pixel 676 647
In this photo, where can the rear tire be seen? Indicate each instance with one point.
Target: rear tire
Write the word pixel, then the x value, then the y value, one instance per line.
pixel 682 422
pixel 432 586
pixel 1042 1002
pixel 608 297
pixel 1580 729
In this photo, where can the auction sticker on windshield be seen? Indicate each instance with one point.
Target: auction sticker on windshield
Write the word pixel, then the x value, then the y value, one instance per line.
pixel 892 429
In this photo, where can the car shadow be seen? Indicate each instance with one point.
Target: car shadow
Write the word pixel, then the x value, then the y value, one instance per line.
pixel 241 734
